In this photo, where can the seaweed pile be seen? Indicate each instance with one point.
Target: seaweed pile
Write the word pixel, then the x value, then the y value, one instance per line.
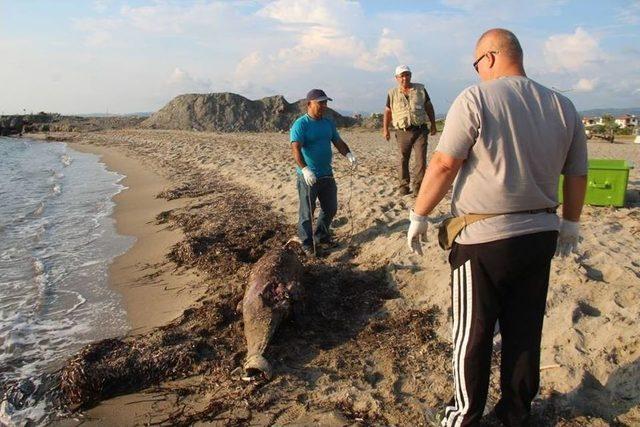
pixel 205 337
pixel 226 231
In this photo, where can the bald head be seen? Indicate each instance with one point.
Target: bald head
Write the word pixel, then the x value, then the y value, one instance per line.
pixel 501 40
pixel 498 54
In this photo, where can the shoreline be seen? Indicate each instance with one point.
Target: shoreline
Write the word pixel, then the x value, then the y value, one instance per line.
pixel 152 292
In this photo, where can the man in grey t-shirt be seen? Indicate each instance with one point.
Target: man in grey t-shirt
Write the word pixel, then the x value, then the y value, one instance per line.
pixel 507 140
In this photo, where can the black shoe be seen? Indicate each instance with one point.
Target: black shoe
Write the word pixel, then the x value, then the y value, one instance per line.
pixel 403 191
pixel 328 243
pixel 308 251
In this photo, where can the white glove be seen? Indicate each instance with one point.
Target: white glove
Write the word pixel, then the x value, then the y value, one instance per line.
pixel 309 176
pixel 352 159
pixel 417 232
pixel 568 237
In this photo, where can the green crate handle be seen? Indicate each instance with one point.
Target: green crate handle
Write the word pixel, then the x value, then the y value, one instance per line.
pixel 600 186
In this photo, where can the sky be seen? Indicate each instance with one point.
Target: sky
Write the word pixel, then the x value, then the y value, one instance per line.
pixel 112 56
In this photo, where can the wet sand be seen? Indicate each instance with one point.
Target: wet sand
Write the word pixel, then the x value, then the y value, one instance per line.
pixel 153 292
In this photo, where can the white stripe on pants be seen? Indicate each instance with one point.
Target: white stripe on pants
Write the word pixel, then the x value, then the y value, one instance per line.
pixel 462 311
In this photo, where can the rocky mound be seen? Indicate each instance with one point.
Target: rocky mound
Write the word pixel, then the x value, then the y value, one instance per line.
pixel 53 122
pixel 229 112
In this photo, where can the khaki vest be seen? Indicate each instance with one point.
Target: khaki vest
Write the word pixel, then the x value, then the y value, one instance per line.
pixel 408 110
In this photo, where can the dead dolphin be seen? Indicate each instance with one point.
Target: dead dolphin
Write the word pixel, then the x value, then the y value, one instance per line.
pixel 274 289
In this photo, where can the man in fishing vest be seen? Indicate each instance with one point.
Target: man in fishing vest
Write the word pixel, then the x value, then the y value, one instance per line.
pixel 408 108
pixel 311 137
pixel 507 140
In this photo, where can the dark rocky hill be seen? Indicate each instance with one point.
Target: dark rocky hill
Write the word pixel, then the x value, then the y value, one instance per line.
pixel 53 122
pixel 229 112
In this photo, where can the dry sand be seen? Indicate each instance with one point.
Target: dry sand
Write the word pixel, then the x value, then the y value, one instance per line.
pixel 591 345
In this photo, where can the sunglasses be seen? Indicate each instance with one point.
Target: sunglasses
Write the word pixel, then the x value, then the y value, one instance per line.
pixel 475 64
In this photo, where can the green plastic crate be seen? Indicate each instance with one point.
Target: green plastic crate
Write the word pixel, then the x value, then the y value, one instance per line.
pixel 606 182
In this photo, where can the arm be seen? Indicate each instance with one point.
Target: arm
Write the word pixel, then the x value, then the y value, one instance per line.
pixel 441 172
pixel 458 137
pixel 386 119
pixel 296 150
pixel 573 192
pixel 307 173
pixel 428 107
pixel 341 146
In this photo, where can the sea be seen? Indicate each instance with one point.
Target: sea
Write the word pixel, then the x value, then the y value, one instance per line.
pixel 57 239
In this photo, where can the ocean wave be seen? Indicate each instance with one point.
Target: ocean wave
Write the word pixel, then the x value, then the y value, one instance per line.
pixel 66 160
pixel 80 303
pixel 54 296
pixel 38 210
pixel 32 412
pixel 56 189
pixel 41 279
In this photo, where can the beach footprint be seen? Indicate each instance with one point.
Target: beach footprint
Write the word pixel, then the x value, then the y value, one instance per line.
pixel 584 309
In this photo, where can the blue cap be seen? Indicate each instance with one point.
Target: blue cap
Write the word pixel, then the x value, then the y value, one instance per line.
pixel 317 95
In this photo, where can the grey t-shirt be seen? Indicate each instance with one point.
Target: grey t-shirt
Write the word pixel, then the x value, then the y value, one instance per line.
pixel 516 137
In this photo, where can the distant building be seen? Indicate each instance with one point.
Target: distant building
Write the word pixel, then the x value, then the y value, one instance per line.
pixel 627 120
pixel 591 121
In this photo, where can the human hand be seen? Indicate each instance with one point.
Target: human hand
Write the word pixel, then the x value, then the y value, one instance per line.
pixel 417 232
pixel 309 176
pixel 568 237
pixel 386 134
pixel 352 159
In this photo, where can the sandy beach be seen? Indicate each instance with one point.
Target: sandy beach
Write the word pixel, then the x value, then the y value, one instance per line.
pixel 153 292
pixel 377 349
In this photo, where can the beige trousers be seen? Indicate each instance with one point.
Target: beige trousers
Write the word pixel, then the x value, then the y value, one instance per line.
pixel 412 139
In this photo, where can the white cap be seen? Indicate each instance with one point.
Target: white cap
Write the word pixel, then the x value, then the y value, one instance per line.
pixel 402 69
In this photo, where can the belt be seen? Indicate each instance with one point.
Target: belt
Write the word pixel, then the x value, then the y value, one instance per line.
pixel 414 127
pixel 537 211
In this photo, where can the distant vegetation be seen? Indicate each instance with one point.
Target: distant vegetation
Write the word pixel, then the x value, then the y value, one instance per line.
pixel 597 112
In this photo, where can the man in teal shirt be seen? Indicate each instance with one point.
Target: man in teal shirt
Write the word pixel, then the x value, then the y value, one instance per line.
pixel 311 137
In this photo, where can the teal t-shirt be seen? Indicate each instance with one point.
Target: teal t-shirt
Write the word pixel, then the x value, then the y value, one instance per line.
pixel 315 136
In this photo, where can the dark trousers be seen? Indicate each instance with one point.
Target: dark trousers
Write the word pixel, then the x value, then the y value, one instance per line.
pixel 412 139
pixel 326 191
pixel 507 281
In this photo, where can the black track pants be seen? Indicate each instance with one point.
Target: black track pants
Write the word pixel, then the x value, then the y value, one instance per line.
pixel 504 280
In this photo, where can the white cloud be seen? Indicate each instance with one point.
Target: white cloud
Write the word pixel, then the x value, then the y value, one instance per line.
pixel 389 46
pixel 177 18
pixel 629 13
pixel 183 81
pixel 585 85
pixel 572 52
pixel 323 13
pixel 259 48
pixel 326 30
pixel 248 64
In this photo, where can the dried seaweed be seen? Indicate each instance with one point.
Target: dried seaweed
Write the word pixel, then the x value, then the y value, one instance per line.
pixel 226 231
